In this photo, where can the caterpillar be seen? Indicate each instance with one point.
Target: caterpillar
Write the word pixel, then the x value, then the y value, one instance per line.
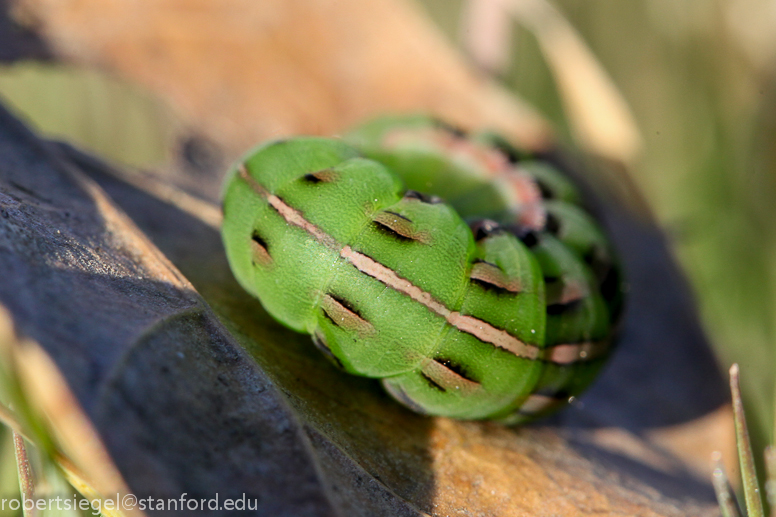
pixel 463 273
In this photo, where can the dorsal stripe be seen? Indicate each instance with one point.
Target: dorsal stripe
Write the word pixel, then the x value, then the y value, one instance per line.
pixel 482 330
pixel 569 353
pixel 537 403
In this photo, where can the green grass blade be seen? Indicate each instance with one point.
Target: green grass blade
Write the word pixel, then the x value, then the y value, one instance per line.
pixel 770 484
pixel 26 479
pixel 754 506
pixel 728 506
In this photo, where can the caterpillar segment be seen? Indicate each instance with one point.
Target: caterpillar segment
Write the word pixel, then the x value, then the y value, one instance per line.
pixel 426 259
pixel 549 201
pixel 532 199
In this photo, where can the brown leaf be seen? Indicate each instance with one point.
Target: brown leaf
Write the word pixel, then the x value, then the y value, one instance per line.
pixel 244 71
pixel 179 405
pixel 380 459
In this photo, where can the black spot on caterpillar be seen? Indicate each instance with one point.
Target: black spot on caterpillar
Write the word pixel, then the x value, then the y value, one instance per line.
pixel 260 249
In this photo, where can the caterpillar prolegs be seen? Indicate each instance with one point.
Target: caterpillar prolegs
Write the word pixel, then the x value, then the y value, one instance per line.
pixel 463 273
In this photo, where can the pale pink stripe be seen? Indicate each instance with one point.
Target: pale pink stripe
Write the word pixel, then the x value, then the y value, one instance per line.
pixel 571 353
pixel 476 327
pixel 561 354
pixel 536 403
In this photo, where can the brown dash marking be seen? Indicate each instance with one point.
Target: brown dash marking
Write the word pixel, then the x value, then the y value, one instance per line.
pixel 433 383
pixel 343 316
pixel 448 378
pixel 321 176
pixel 575 352
pixel 490 275
pixel 537 403
pixel 400 226
pixel 260 250
pixel 396 214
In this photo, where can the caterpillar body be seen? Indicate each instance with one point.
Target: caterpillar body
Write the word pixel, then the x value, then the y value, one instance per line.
pixel 462 273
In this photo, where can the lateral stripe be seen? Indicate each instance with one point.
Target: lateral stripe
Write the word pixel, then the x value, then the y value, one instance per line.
pixel 482 330
pixel 289 214
pixel 569 353
pixel 536 403
pixel 476 327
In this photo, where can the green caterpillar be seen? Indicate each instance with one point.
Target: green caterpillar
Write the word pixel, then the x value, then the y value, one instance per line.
pixel 496 303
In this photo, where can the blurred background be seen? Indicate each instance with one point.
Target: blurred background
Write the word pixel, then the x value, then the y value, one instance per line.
pixel 699 78
pixel 685 90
